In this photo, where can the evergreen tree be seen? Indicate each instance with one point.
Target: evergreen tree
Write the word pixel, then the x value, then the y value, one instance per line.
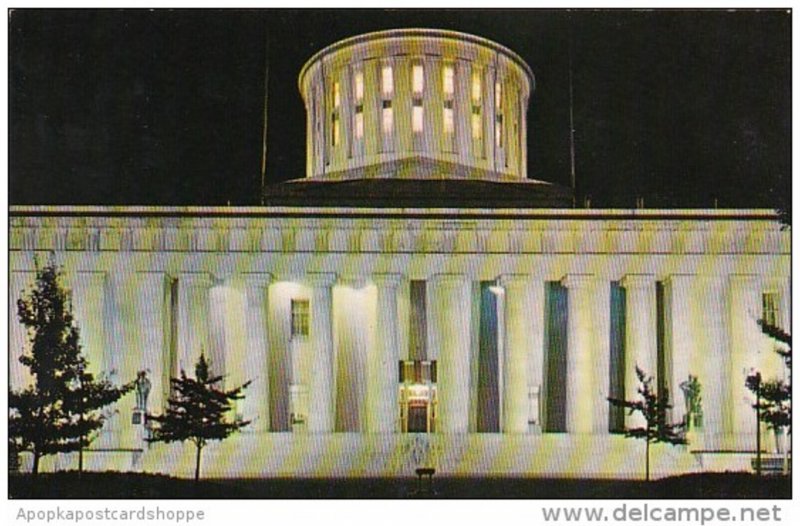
pixel 62 411
pixel 197 411
pixel 653 406
pixel 774 396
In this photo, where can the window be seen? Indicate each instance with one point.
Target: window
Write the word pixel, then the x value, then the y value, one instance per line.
pixel 359 124
pixel 358 85
pixel 448 85
pixel 417 84
pixel 335 115
pixel 388 118
pixel 300 313
pixel 417 79
pixel 387 82
pixel 477 129
pixel 387 92
pixel 498 110
pixel 476 89
pixel 416 118
pixel 358 116
pixel 335 129
pixel 769 308
pixel 477 96
pixel 448 89
pixel 447 117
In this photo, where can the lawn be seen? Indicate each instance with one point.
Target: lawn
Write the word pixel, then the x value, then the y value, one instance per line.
pixel 69 485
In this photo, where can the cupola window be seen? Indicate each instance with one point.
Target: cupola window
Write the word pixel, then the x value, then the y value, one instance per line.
pixel 477 97
pixel 358 116
pixel 448 90
pixel 498 110
pixel 335 115
pixel 387 93
pixel 418 84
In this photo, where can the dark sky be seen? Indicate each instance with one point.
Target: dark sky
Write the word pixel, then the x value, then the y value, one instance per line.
pixel 165 107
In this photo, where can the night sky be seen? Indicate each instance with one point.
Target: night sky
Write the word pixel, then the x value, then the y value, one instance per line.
pixel 165 107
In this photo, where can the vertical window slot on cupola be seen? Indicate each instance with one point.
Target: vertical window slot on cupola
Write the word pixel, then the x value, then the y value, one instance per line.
pixel 417 85
pixel 335 139
pixel 477 117
pixel 498 110
pixel 448 93
pixel 358 114
pixel 387 111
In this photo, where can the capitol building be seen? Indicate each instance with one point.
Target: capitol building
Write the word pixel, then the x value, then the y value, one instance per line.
pixel 417 300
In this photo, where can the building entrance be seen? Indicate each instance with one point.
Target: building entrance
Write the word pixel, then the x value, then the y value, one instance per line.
pixel 418 396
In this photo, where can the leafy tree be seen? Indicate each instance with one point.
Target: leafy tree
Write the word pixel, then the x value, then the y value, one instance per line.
pixel 197 411
pixel 63 410
pixel 653 406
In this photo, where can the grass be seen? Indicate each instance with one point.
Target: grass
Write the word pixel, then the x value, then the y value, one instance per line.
pixel 114 485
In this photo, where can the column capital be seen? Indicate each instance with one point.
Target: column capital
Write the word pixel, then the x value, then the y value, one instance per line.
pixel 745 279
pixel 577 281
pixel 447 278
pixel 320 279
pixel 713 280
pixel 387 280
pixel 85 278
pixel 195 279
pixel 352 281
pixel 285 275
pixel 89 275
pixel 153 273
pixel 517 279
pixel 673 279
pixel 257 279
pixel 637 281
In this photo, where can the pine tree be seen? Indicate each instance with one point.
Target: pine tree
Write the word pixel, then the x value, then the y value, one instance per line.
pixel 653 406
pixel 63 410
pixel 197 411
pixel 774 396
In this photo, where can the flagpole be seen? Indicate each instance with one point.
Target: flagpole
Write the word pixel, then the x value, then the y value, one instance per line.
pixel 264 130
pixel 571 114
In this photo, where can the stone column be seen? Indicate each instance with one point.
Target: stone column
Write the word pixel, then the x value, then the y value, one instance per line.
pixel 193 321
pixel 523 117
pixel 120 355
pixel 524 348
pixel 463 107
pixel 382 411
pixel 88 307
pixel 254 367
pixel 784 288
pixel 373 116
pixel 640 337
pixel 321 384
pixel 449 319
pixel 587 354
pixel 601 317
pixel 745 310
pixel 714 366
pixel 155 354
pixel 680 341
pixel 489 77
pixel 432 102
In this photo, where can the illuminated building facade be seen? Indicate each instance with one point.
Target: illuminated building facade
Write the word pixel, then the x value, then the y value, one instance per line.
pixel 416 299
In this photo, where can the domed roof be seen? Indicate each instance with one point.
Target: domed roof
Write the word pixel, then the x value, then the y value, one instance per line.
pixel 417 117
pixel 406 33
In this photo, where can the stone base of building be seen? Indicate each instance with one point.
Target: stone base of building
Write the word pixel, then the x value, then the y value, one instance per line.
pixel 251 455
